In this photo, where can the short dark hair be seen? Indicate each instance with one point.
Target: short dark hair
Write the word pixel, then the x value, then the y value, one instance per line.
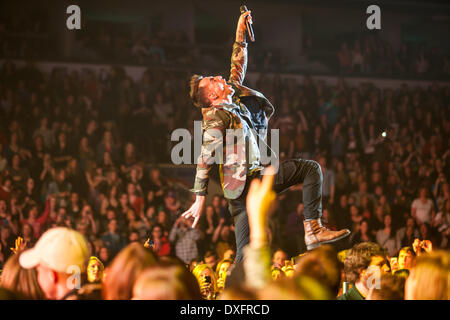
pixel 392 287
pixel 323 265
pixel 198 94
pixel 210 253
pixel 359 257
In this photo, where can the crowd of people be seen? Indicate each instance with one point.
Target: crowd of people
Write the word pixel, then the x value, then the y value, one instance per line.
pixel 371 55
pixel 28 36
pixel 79 151
pixel 60 266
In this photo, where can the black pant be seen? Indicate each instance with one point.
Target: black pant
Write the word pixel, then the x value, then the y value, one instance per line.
pixel 290 173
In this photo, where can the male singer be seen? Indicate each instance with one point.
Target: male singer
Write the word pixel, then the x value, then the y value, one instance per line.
pixel 230 105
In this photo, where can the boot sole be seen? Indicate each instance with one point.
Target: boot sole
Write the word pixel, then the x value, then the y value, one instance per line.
pixel 315 245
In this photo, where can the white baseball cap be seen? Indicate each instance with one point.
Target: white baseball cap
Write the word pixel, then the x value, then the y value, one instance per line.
pixel 58 249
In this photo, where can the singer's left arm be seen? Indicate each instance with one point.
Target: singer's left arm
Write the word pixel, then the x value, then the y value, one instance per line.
pixel 239 55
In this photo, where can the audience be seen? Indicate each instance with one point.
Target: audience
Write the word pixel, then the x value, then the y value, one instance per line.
pixel 79 151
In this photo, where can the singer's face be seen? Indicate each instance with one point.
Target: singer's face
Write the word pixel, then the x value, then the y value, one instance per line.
pixel 217 86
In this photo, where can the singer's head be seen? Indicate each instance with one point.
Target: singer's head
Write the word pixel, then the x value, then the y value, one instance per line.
pixel 208 91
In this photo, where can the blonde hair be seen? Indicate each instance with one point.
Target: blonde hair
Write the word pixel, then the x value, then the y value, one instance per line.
pixel 221 262
pixel 125 269
pixel 94 258
pixel 21 280
pixel 430 277
pixel 167 283
pixel 198 271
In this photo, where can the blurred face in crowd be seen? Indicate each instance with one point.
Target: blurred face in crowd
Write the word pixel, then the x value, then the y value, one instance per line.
pixel 405 258
pixel 62 138
pixel 112 226
pixel 150 196
pixel 130 215
pixel 363 187
pixel 162 217
pixel 131 189
pixel 378 191
pixel 410 223
pixel 103 254
pixel 216 202
pixel 150 212
pixel 155 174
pixel 134 174
pixel 110 214
pixel 94 271
pixel 124 199
pixel 387 221
pixel 30 183
pixel 5 233
pixel 380 213
pixel 2 206
pixel 33 212
pixel 86 211
pixel 378 266
pixel 82 228
pixel 278 258
pixel 129 149
pixel 157 233
pixel 44 122
pixel 74 197
pixel 423 231
pixel 423 193
pixel 364 227
pixel 16 161
pixel 229 254
pixel 134 237
pixel 211 261
pixel 61 175
pixel 380 262
pixel 84 143
pixel 225 233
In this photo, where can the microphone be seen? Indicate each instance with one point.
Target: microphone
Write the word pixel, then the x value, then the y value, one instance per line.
pixel 249 25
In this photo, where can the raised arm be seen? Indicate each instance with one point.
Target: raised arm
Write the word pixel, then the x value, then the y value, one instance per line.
pixel 239 55
pixel 260 200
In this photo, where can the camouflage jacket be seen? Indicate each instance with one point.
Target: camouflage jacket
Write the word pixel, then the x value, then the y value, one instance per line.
pixel 218 118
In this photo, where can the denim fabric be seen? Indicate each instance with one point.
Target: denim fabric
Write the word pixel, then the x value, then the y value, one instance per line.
pixel 290 173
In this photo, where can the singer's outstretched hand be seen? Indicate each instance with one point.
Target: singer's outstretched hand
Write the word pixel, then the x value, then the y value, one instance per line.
pixel 196 210
pixel 241 26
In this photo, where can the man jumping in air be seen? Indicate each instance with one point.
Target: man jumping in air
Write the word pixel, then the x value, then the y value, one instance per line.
pixel 230 105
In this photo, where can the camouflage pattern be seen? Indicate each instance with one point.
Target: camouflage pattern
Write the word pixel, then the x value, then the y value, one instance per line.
pixel 220 118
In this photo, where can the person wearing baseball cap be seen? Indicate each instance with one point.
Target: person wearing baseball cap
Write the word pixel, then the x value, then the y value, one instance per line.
pixel 60 258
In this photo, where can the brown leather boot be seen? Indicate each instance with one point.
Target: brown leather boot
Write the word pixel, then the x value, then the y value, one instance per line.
pixel 316 234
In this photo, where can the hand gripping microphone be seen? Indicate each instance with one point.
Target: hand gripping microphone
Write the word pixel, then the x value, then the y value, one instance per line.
pixel 249 25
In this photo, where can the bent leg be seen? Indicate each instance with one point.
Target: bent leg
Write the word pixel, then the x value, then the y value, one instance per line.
pixel 308 173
